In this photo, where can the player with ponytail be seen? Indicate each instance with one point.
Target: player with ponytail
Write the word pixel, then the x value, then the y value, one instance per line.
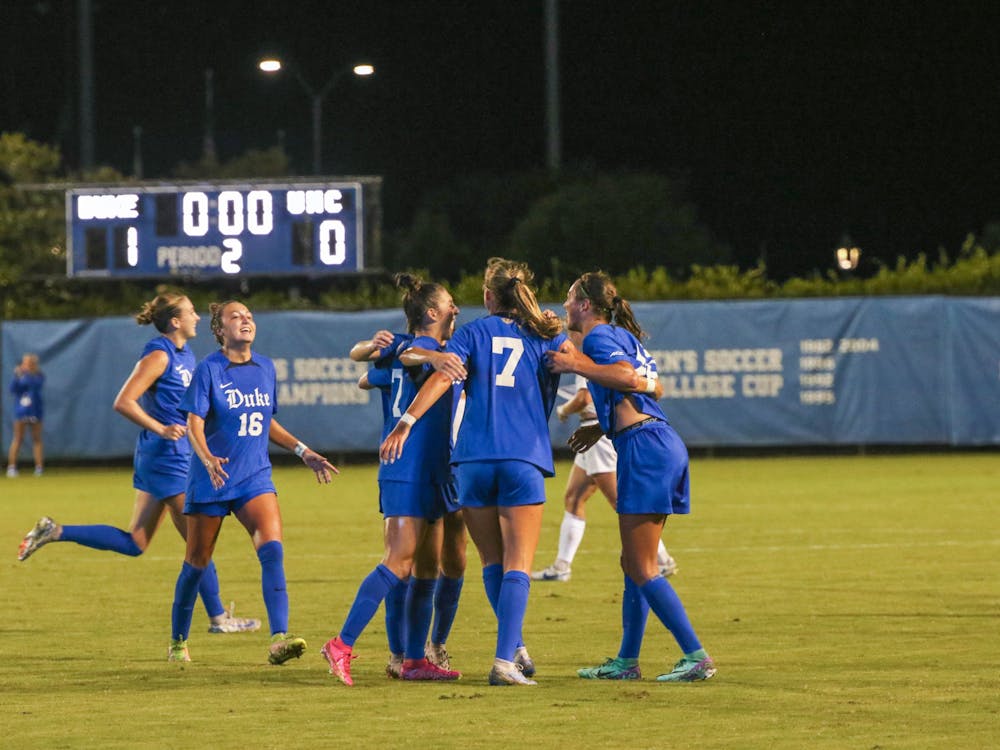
pixel 502 450
pixel 652 468
pixel 150 398
pixel 423 529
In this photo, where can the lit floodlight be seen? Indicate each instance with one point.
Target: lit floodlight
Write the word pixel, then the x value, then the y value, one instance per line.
pixel 274 64
pixel 848 258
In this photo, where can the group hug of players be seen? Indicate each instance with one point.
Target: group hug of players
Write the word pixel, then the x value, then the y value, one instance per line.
pixel 465 449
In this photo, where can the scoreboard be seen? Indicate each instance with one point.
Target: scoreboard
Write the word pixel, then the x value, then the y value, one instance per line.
pixel 215 230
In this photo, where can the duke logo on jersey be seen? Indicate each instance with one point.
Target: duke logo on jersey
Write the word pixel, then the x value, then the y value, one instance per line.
pixel 184 374
pixel 236 399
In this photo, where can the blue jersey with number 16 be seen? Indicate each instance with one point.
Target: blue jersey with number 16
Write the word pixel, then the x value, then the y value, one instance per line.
pixel 509 393
pixel 237 401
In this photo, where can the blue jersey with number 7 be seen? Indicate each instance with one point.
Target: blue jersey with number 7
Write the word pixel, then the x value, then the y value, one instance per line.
pixel 509 393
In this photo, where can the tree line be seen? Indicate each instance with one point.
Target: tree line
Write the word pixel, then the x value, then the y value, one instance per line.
pixel 638 226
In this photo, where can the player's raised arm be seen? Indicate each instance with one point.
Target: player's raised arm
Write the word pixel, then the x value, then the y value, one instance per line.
pixel 436 386
pixel 367 350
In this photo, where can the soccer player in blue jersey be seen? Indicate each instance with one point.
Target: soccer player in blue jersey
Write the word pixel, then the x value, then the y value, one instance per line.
pixel 230 407
pixel 502 450
pixel 150 397
pixel 28 412
pixel 595 468
pixel 414 494
pixel 653 480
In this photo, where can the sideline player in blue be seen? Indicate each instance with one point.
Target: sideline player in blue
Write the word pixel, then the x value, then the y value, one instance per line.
pixel 502 449
pixel 415 494
pixel 28 412
pixel 230 406
pixel 653 480
pixel 150 398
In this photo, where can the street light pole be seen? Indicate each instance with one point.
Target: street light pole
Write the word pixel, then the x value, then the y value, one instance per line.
pixel 208 152
pixel 317 118
pixel 553 137
pixel 273 65
pixel 85 34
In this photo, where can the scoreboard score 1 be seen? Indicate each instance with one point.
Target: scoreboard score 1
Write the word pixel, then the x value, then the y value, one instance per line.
pixel 215 230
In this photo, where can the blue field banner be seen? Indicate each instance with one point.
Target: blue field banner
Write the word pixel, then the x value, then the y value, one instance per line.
pixel 805 372
pixel 894 371
pixel 974 372
pixel 86 362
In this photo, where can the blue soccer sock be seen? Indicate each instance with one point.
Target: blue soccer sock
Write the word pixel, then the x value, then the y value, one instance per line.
pixel 492 580
pixel 185 594
pixel 635 610
pixel 208 589
pixel 666 605
pixel 395 616
pixel 446 595
pixel 272 583
pixel 419 609
pixel 372 591
pixel 99 536
pixel 510 612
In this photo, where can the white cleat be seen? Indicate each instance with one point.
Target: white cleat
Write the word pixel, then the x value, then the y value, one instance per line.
pixel 230 624
pixel 508 673
pixel 438 655
pixel 668 567
pixel 554 572
pixel 45 531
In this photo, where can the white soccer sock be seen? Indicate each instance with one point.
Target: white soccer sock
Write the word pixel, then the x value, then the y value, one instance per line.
pixel 570 536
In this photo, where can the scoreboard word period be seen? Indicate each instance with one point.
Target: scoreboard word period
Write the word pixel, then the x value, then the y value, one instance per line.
pixel 205 230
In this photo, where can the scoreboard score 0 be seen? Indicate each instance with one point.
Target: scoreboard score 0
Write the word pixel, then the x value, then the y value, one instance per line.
pixel 215 230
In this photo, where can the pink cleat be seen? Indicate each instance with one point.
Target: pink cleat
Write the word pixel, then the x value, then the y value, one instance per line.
pixel 423 669
pixel 339 656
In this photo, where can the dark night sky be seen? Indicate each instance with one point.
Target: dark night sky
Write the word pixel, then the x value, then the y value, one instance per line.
pixel 794 121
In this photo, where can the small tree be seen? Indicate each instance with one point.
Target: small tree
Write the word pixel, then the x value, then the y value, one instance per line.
pixel 615 222
pixel 32 238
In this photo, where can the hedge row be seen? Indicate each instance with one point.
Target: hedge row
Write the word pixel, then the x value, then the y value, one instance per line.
pixel 976 272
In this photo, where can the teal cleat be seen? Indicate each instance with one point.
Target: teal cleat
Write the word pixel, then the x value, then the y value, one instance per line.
pixel 613 669
pixel 693 667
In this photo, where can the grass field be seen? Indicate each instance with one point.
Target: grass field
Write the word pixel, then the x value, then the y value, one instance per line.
pixel 849 602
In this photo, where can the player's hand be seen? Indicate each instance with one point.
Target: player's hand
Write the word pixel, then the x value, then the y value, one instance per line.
pixel 563 360
pixel 216 473
pixel 584 438
pixel 381 339
pixel 173 431
pixel 392 446
pixel 451 365
pixel 562 413
pixel 324 469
